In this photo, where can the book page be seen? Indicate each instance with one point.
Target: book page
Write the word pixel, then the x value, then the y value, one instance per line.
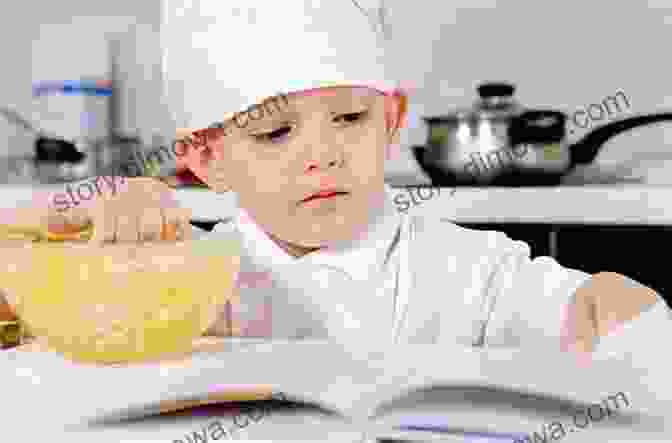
pixel 512 391
pixel 535 371
pixel 314 372
pixel 348 381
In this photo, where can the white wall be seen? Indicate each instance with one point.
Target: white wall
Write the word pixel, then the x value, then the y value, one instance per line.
pixel 140 84
pixel 565 55
pixel 560 54
pixel 14 85
pixel 53 40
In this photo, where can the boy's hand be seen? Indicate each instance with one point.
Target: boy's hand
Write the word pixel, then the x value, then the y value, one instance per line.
pixel 601 306
pixel 141 209
pixel 138 209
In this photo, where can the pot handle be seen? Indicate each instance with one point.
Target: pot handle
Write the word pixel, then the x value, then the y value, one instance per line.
pixel 586 149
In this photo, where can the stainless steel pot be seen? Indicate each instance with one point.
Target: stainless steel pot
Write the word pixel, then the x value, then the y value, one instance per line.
pixel 498 142
pixel 457 142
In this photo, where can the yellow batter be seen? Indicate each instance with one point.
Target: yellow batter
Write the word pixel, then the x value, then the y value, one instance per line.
pixel 119 302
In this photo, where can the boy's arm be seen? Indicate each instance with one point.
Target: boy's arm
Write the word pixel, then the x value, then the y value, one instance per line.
pixel 602 305
pixel 538 302
pixel 620 319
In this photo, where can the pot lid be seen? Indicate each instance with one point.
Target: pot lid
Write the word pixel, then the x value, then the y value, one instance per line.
pixel 496 102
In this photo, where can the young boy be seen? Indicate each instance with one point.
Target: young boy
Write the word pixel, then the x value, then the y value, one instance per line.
pixel 326 254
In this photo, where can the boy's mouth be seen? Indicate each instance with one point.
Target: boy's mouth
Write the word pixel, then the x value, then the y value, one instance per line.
pixel 324 194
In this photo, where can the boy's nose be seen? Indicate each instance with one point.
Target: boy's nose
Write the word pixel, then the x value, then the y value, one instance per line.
pixel 327 158
pixel 313 165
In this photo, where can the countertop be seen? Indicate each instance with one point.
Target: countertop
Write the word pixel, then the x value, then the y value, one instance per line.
pixel 628 204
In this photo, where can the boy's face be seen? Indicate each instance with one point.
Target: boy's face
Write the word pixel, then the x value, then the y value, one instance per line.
pixel 332 142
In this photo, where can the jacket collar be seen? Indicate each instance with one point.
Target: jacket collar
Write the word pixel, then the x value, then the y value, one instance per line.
pixel 360 259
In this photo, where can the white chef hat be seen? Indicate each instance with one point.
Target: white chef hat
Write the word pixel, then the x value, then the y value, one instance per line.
pixel 223 56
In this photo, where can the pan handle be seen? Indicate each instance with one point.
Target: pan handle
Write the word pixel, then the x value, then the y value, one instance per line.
pixel 586 149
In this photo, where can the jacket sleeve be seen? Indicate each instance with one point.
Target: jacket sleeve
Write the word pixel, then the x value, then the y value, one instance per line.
pixel 634 343
pixel 526 299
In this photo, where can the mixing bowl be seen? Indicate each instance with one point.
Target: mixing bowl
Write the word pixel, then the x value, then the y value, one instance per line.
pixel 119 302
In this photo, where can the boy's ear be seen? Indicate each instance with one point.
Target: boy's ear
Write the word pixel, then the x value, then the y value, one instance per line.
pixel 182 147
pixel 192 151
pixel 397 105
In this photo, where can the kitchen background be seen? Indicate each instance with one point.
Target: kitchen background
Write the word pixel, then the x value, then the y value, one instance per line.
pixel 562 55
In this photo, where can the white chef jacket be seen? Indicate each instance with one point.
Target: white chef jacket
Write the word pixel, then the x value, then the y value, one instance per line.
pixel 410 279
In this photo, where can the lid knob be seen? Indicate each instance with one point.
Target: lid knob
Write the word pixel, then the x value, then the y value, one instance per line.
pixel 488 90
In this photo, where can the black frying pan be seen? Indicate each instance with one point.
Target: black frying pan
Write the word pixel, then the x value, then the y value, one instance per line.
pixel 47 148
pixel 582 152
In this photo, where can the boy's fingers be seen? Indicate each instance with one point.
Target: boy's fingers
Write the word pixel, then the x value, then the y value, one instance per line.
pixel 185 227
pixel 151 224
pixel 184 223
pixel 104 228
pixel 145 210
pixel 72 220
pixel 127 228
pixel 187 232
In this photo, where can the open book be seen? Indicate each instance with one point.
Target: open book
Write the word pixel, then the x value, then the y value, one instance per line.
pixel 386 393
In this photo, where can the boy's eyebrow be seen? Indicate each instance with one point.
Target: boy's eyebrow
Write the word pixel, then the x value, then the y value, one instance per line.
pixel 278 109
pixel 355 101
pixel 273 119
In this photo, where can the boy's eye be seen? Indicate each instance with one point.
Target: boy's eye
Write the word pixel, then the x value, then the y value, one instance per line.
pixel 273 136
pixel 352 117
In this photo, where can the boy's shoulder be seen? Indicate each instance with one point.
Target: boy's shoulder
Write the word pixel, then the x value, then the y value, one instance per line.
pixel 430 236
pixel 445 236
pixel 426 232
